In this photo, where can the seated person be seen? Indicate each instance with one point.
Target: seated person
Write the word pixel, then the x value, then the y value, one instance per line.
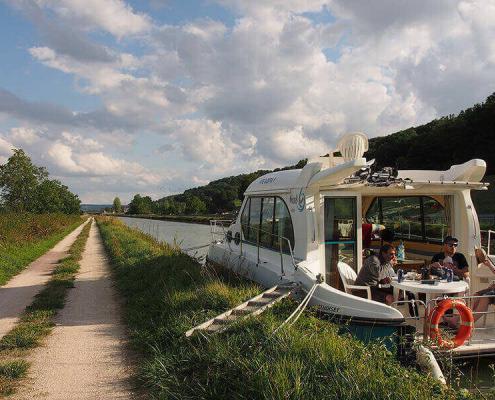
pixel 450 258
pixel 377 271
pixel 480 304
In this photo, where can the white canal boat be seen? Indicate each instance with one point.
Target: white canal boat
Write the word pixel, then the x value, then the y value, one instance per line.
pixel 304 226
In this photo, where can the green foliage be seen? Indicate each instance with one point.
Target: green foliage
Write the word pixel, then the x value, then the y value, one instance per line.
pixel 24 187
pixel 117 205
pixel 25 237
pixel 141 205
pixel 442 142
pixel 166 293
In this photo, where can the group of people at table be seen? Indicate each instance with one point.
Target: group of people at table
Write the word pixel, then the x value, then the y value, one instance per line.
pixel 378 271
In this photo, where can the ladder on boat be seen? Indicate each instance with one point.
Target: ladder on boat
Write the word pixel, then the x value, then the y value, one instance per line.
pixel 254 306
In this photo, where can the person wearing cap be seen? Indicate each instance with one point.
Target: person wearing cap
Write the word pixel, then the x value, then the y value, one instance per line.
pixel 450 258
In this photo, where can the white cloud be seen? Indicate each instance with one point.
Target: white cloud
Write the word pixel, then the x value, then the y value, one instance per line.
pixel 23 135
pixel 281 83
pixel 114 16
pixel 5 150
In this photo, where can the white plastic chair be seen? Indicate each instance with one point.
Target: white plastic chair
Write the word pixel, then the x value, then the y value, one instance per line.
pixel 348 277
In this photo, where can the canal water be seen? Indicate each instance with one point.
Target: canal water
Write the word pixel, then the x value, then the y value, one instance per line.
pixel 185 235
pixel 478 373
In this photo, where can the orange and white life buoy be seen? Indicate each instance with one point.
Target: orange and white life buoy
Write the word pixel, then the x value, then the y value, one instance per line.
pixel 465 327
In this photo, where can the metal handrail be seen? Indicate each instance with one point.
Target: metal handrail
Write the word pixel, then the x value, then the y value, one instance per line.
pixel 215 223
pixel 489 231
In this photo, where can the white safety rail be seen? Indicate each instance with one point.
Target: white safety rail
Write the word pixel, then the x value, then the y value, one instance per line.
pixel 482 340
pixel 220 233
pixel 486 240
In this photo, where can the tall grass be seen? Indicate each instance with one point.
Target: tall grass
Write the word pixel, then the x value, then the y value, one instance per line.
pixel 25 237
pixel 167 292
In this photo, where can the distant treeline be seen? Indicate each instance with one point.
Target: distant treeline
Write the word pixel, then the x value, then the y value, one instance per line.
pixel 436 145
pixel 24 187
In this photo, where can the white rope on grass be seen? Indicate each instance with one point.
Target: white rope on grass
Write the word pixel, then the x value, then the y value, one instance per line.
pixel 299 309
pixel 196 247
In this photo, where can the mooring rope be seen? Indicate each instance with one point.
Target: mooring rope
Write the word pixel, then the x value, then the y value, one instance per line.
pixel 299 309
pixel 196 247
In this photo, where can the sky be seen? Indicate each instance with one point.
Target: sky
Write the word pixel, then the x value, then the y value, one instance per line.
pixel 153 97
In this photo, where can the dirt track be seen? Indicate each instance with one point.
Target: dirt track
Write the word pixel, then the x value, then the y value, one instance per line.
pixel 84 358
pixel 19 292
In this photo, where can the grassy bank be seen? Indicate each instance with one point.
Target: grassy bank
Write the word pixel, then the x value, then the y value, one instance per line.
pixel 37 321
pixel 25 237
pixel 166 293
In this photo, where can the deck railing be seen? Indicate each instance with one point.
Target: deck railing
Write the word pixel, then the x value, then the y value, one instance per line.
pixel 423 310
pixel 486 240
pixel 219 232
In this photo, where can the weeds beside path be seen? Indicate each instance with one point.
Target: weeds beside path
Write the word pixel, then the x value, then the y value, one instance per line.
pixel 37 320
pixel 166 293
pixel 25 237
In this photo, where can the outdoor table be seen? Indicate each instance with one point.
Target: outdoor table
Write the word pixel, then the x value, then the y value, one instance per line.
pixel 410 265
pixel 431 291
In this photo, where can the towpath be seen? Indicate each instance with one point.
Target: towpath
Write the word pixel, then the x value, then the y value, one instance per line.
pixel 19 292
pixel 84 357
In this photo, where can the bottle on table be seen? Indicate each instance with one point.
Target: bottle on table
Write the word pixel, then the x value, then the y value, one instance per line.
pixel 401 251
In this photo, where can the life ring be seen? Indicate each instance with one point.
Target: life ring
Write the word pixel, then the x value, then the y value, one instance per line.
pixel 465 328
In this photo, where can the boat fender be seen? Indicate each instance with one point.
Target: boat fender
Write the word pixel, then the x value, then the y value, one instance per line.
pixel 427 361
pixel 465 328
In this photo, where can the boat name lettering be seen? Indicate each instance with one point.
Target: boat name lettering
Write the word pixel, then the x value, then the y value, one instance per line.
pixel 331 309
pixel 265 181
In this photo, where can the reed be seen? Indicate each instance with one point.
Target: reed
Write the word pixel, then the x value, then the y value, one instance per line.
pixel 166 293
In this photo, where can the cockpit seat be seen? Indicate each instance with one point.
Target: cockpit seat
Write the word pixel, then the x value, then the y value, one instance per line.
pixel 348 277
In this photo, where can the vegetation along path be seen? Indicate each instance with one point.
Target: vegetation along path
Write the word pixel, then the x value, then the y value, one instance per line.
pixel 19 292
pixel 84 356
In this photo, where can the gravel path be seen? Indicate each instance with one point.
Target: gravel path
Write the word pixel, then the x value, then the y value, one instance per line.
pixel 84 357
pixel 18 293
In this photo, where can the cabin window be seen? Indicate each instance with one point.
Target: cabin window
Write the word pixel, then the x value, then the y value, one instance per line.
pixel 282 226
pixel 245 219
pixel 271 218
pixel 340 236
pixel 266 234
pixel 417 218
pixel 254 219
pixel 435 220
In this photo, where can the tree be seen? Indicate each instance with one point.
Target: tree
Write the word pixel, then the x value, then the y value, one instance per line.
pixel 52 196
pixel 194 205
pixel 24 187
pixel 19 179
pixel 141 205
pixel 117 205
